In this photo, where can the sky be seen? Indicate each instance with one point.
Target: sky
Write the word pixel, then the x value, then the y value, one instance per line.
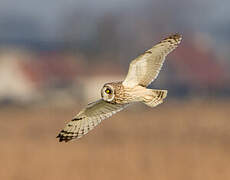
pixel 48 16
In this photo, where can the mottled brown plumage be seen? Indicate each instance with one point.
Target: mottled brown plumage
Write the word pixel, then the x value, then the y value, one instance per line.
pixel 121 95
pixel 117 95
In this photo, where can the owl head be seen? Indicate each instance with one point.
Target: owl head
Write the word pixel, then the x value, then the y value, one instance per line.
pixel 108 92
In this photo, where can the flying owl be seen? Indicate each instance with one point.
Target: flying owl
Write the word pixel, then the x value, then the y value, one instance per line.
pixel 118 95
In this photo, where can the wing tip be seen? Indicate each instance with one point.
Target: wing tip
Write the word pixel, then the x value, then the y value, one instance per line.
pixel 177 37
pixel 64 138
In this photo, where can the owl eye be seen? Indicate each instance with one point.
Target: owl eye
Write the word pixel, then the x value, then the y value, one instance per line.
pixel 108 91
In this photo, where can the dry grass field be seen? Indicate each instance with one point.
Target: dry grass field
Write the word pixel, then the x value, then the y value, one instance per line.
pixel 175 141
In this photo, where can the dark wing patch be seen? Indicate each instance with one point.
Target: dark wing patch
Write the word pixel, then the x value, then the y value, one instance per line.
pixel 88 118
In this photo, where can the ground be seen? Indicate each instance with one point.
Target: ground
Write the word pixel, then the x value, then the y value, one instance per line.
pixel 177 140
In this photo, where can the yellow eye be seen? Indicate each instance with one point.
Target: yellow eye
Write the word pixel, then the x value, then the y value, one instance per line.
pixel 108 91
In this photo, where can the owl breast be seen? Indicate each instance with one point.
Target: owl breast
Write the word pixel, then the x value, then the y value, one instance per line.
pixel 122 95
pixel 125 95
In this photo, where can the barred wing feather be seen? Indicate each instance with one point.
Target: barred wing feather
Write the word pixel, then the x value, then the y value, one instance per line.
pixel 88 118
pixel 145 68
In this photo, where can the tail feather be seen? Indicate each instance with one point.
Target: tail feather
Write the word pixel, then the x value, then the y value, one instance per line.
pixel 156 98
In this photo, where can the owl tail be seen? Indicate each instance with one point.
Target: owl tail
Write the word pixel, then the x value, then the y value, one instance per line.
pixel 155 98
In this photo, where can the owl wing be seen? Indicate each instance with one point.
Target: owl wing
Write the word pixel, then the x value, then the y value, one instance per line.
pixel 145 68
pixel 88 118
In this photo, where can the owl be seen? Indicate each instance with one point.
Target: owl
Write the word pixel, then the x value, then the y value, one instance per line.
pixel 118 95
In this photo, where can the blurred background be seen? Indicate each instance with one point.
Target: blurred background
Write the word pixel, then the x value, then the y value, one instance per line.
pixel 56 55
